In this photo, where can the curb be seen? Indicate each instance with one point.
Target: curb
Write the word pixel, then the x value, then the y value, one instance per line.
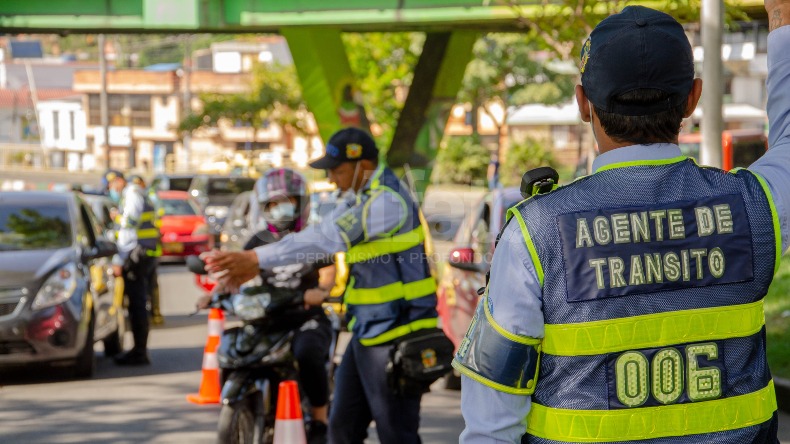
pixel 782 387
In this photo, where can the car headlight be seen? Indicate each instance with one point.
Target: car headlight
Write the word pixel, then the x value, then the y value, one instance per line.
pixel 218 212
pixel 201 230
pixel 249 307
pixel 58 287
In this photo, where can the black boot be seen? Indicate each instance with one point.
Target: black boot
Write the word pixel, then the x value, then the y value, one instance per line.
pixel 316 432
pixel 133 357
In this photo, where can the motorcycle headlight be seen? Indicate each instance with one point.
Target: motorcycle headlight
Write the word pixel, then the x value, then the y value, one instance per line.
pixel 58 287
pixel 201 230
pixel 249 307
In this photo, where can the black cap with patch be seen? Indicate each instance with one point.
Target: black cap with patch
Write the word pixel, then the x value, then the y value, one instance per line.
pixel 347 145
pixel 639 48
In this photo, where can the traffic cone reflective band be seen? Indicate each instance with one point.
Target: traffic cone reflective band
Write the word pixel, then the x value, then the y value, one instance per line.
pixel 209 382
pixel 288 423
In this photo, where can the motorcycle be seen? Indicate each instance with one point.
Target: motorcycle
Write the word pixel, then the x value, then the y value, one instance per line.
pixel 255 357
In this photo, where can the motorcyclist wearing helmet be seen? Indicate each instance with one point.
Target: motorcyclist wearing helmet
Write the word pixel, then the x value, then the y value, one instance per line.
pixel 281 207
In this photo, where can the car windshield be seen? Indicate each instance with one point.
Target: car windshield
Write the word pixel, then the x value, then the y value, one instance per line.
pixel 180 183
pixel 229 186
pixel 34 227
pixel 178 207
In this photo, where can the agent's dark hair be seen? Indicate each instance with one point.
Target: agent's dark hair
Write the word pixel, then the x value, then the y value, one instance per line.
pixel 654 128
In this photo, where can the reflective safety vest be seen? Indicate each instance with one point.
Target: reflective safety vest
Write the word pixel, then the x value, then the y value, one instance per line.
pixel 391 291
pixel 147 227
pixel 653 309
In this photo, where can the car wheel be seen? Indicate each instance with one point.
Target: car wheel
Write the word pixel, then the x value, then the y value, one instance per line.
pixel 452 380
pixel 113 344
pixel 86 362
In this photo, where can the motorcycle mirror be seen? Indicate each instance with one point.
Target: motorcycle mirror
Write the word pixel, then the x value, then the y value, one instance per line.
pixel 196 265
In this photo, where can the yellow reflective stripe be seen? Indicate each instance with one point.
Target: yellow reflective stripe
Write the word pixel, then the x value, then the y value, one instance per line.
pixel 511 336
pixel 419 289
pixel 657 162
pixel 652 422
pixel 489 383
pixel 530 245
pixel 379 295
pixel 148 233
pixel 403 330
pixel 775 217
pixel 147 216
pixel 653 330
pixel 395 244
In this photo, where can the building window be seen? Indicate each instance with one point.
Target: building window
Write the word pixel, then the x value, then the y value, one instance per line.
pixel 140 105
pixel 55 126
pixel 72 126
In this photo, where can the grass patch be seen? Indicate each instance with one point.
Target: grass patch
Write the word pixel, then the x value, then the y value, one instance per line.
pixel 777 321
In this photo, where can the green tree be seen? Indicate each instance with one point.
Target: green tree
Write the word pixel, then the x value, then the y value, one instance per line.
pixel 38 230
pixel 275 98
pixel 461 160
pixel 511 70
pixel 522 157
pixel 562 26
pixel 383 65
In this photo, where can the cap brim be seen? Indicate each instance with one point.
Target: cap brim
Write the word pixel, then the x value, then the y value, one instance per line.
pixel 325 163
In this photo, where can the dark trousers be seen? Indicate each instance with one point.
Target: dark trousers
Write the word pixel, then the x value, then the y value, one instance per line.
pixel 311 349
pixel 135 279
pixel 362 395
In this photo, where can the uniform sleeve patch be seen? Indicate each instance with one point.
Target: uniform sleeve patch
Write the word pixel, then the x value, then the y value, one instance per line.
pixel 350 225
pixel 620 252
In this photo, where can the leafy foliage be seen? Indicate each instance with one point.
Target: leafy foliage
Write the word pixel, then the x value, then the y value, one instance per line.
pixel 462 161
pixel 275 98
pixel 383 65
pixel 35 230
pixel 522 157
pixel 512 69
pixel 561 26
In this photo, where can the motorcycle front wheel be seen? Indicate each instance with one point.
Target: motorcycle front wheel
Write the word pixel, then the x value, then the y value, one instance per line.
pixel 239 424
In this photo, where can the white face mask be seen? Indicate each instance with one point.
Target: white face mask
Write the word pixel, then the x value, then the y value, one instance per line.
pixel 350 194
pixel 283 211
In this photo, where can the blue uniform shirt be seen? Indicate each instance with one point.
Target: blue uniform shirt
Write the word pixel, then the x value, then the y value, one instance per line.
pixel 495 417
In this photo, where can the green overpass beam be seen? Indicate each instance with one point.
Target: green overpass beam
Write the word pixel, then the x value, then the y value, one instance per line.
pixel 158 16
pixel 327 81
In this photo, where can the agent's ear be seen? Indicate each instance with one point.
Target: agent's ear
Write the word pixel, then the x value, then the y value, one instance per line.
pixel 693 98
pixel 583 103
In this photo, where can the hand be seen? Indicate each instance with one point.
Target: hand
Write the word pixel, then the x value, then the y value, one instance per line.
pixel 117 270
pixel 231 269
pixel 315 296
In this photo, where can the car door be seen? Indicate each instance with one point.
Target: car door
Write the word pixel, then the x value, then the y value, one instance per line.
pixel 102 280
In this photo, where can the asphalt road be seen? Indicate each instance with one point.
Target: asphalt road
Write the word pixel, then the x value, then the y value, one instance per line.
pixel 148 404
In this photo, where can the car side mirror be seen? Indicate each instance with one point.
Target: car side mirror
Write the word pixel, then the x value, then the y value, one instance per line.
pixel 464 259
pixel 102 248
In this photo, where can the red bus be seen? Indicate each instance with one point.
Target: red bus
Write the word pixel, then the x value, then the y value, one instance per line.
pixel 739 148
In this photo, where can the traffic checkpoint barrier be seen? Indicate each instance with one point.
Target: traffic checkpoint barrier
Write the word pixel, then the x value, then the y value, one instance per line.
pixel 209 392
pixel 288 422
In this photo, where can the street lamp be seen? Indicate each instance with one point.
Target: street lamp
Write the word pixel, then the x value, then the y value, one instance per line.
pixel 126 112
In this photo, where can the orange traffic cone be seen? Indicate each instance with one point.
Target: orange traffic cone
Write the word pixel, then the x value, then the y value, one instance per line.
pixel 209 382
pixel 288 423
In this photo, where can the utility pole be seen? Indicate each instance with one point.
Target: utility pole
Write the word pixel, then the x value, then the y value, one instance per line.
pixel 187 99
pixel 103 101
pixel 712 82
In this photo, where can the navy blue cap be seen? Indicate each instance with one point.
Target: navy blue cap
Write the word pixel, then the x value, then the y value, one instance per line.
pixel 639 48
pixel 347 145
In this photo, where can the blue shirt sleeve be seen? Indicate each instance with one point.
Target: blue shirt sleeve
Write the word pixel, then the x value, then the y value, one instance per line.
pixel 317 243
pixel 515 293
pixel 774 166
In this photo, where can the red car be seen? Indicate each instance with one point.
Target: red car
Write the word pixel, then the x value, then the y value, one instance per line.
pixel 184 229
pixel 469 260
